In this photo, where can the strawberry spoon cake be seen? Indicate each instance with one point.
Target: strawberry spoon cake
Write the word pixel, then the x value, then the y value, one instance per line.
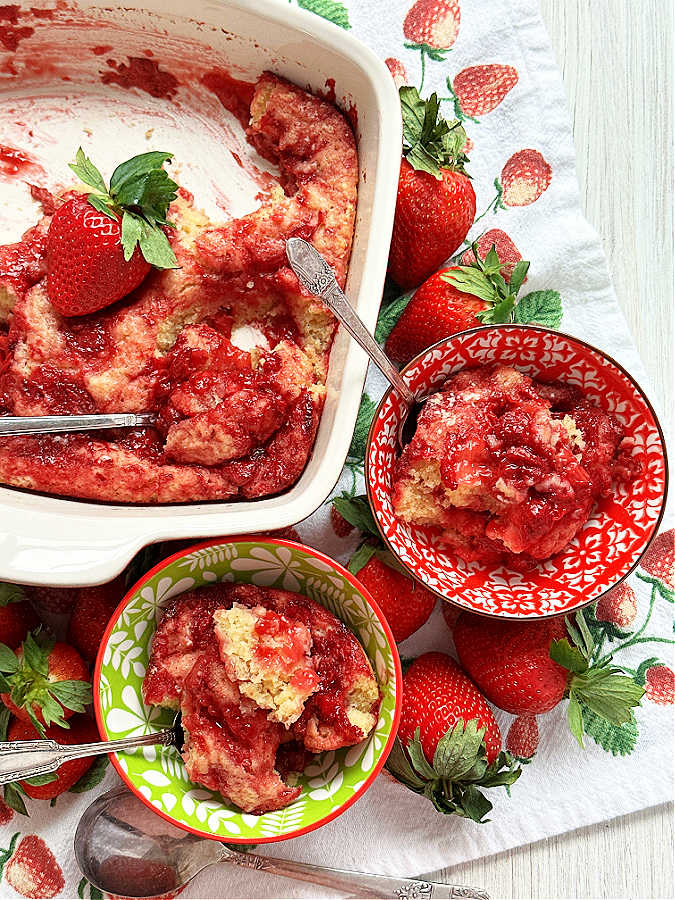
pixel 263 678
pixel 507 469
pixel 222 342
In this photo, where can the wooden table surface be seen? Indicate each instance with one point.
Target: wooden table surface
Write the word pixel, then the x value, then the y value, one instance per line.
pixel 616 57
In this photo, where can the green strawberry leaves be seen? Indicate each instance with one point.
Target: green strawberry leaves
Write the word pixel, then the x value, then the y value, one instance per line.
pixel 10 593
pixel 459 769
pixel 140 193
pixel 357 512
pixel 430 142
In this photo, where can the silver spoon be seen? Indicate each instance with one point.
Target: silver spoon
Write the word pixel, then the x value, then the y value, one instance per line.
pixel 316 275
pixel 124 848
pixel 15 425
pixel 26 759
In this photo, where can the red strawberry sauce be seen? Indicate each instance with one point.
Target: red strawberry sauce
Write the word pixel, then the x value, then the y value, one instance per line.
pixel 11 33
pixel 142 73
pixel 234 94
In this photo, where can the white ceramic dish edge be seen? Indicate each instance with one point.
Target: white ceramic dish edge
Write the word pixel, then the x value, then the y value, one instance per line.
pixel 49 540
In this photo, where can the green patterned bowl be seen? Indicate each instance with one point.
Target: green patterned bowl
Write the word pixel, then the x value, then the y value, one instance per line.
pixel 333 781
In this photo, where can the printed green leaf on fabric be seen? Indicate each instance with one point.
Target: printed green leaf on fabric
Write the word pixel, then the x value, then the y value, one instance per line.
pixel 357 448
pixel 539 308
pixel 619 740
pixel 332 10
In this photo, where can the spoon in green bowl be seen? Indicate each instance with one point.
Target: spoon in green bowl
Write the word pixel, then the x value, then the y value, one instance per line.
pixel 122 847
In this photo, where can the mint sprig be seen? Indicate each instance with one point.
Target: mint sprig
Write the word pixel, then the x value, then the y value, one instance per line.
pixel 484 279
pixel 430 142
pixel 140 194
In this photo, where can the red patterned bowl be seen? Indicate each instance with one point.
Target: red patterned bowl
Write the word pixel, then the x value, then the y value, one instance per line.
pixel 609 545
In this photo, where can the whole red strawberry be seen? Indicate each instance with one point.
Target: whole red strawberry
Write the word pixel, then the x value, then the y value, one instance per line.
pixel 527 668
pixel 397 69
pixel 432 23
pixel 447 725
pixel 659 560
pixel 51 600
pixel 100 247
pixel 435 203
pixel 17 616
pixel 506 250
pixel 341 526
pixel 82 730
pixel 31 868
pixel 525 177
pixel 92 612
pixel 660 685
pixel 406 604
pixel 523 737
pixel 450 613
pixel 618 606
pixel 44 682
pixel 479 89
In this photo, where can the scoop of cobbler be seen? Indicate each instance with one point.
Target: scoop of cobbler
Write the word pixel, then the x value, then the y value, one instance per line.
pixel 263 679
pixel 506 467
pixel 229 349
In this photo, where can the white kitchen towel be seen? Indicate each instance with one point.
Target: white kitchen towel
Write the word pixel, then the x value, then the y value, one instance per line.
pixel 391 830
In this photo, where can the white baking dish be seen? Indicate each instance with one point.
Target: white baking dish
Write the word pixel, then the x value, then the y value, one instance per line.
pixel 48 540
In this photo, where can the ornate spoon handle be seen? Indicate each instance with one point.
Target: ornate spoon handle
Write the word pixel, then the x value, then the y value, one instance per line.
pixel 355 884
pixel 61 424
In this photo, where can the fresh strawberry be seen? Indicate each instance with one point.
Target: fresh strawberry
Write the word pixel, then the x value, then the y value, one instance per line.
pixel 341 526
pixel 44 682
pixel 100 247
pixel 618 606
pixel 506 250
pixel 432 24
pixel 659 560
pixel 406 605
pixel 455 299
pixel 397 69
pixel 479 89
pixel 450 613
pixel 82 730
pixel 51 600
pixel 525 177
pixel 436 203
pixel 523 738
pixel 6 813
pixel 31 869
pixel 17 616
pixel 527 668
pixel 91 615
pixel 449 743
pixel 660 685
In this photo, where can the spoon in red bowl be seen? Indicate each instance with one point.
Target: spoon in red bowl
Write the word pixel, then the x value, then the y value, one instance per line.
pixel 124 848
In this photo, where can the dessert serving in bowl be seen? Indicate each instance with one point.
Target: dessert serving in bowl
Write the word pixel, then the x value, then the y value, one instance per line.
pixel 536 477
pixel 286 675
pixel 232 315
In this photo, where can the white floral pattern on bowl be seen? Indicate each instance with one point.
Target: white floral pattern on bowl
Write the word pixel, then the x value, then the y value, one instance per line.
pixel 332 782
pixel 618 532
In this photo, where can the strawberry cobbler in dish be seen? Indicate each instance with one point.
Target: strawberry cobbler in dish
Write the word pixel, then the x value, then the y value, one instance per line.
pixel 264 678
pixel 228 349
pixel 507 468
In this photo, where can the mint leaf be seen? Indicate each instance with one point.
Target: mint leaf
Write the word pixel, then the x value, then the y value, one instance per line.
pixel 91 777
pixel 357 512
pixel 361 556
pixel 389 316
pixel 10 593
pixel 87 172
pixel 138 165
pixel 332 10
pixel 619 740
pixel 156 249
pixel 539 308
pixel 357 448
pixel 132 228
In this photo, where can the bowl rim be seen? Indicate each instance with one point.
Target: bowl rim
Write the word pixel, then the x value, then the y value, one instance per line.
pixel 341 570
pixel 542 329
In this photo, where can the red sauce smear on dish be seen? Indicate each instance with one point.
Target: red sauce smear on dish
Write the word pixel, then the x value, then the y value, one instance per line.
pixel 12 33
pixel 235 95
pixel 100 49
pixel 14 161
pixel 144 74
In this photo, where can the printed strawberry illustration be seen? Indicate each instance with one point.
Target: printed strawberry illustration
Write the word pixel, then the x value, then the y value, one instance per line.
pixel 6 813
pixel 406 604
pixel 435 202
pixel 432 25
pixel 448 744
pixel 92 612
pixel 397 69
pixel 462 297
pixel 618 606
pixel 44 682
pixel 100 247
pixel 658 563
pixel 51 600
pixel 525 177
pixel 527 668
pixel 480 89
pixel 17 616
pixel 506 250
pixel 522 739
pixel 660 685
pixel 31 868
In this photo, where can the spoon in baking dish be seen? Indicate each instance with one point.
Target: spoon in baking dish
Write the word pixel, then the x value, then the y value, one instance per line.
pixel 316 275
pixel 27 759
pixel 124 848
